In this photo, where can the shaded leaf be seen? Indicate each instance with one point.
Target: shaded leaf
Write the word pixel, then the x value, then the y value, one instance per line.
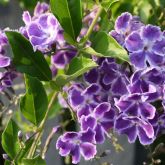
pixel 69 14
pixel 26 60
pixel 108 46
pixel 34 103
pixel 10 141
pixel 108 3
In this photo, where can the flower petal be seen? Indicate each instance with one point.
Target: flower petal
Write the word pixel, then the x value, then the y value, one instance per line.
pixel 138 59
pixel 4 61
pixel 100 134
pixel 101 109
pixel 131 133
pixel 143 138
pixel 88 150
pixel 122 22
pixel 134 42
pixel 147 110
pixel 88 122
pixel 150 29
pixel 76 156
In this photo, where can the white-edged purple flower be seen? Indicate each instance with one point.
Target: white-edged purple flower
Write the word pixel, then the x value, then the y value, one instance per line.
pixel 101 120
pixel 146 47
pixel 62 58
pixel 41 8
pixel 4 60
pixel 135 127
pixel 82 99
pixel 114 76
pixel 125 24
pixel 149 82
pixel 41 29
pixel 77 144
pixel 136 105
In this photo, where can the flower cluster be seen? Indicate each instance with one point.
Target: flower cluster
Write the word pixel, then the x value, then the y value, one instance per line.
pixel 144 43
pixel 127 99
pixel 7 73
pixel 46 35
pixel 139 115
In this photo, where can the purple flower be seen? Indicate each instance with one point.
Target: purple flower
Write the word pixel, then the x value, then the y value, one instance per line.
pixel 4 60
pixel 92 76
pixel 41 8
pixel 41 29
pixel 62 58
pixel 42 32
pixel 6 79
pixel 83 100
pixel 101 120
pixel 143 47
pixel 113 75
pixel 77 145
pixel 149 82
pixel 136 105
pixel 125 24
pixel 135 127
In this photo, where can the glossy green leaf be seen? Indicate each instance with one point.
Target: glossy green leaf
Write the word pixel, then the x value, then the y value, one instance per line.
pixel 69 14
pixel 34 103
pixel 10 141
pixel 77 67
pixel 35 161
pixel 108 46
pixel 108 3
pixel 26 60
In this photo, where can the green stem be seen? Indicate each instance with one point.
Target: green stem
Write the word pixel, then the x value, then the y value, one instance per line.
pixel 93 24
pixel 41 127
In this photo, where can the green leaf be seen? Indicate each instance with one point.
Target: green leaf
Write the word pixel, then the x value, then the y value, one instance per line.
pixel 26 60
pixel 106 4
pixel 108 46
pixel 69 14
pixel 91 51
pixel 34 103
pixel 10 141
pixel 35 161
pixel 77 67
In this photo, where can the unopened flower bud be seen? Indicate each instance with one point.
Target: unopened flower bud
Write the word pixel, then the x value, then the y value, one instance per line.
pixel 5 157
pixel 20 135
